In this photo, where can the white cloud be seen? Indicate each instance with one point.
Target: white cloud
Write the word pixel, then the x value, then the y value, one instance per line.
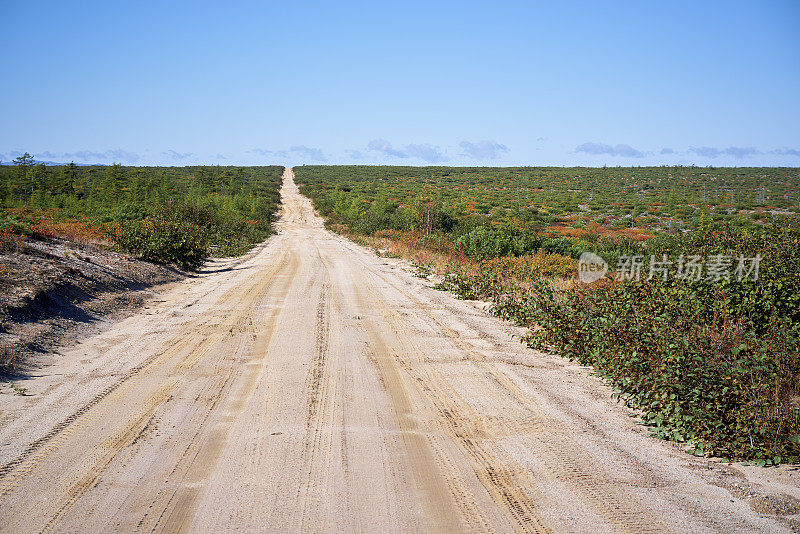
pixel 482 149
pixel 597 149
pixel 425 152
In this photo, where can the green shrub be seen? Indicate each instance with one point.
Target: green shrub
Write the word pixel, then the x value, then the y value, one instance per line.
pixel 483 243
pixel 11 225
pixel 164 239
pixel 715 364
pixel 680 354
pixel 562 246
pixel 130 212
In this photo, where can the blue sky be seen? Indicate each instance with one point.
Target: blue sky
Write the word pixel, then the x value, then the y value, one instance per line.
pixel 414 83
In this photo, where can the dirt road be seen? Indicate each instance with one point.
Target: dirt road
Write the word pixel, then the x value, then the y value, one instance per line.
pixel 313 386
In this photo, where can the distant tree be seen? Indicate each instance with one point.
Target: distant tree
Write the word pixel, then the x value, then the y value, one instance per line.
pixel 138 185
pixel 39 176
pixel 24 163
pixel 5 185
pixel 69 175
pixel 113 183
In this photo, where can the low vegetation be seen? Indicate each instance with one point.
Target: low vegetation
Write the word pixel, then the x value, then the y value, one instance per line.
pixel 175 215
pixel 713 363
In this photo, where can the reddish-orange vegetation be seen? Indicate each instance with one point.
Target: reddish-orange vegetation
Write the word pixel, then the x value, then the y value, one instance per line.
pixel 568 231
pixel 637 234
pixel 72 230
pixel 533 265
pixel 10 242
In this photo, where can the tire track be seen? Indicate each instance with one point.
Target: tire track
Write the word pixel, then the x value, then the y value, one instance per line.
pixel 441 501
pixel 185 351
pixel 200 456
pixel 320 390
pixel 499 481
pixel 174 346
pixel 565 460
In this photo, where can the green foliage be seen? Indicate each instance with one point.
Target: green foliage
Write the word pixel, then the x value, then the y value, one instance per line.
pixel 650 199
pixel 696 369
pixel 165 238
pixel 532 266
pixel 226 209
pixel 12 225
pixel 483 243
pixel 561 246
pixel 715 364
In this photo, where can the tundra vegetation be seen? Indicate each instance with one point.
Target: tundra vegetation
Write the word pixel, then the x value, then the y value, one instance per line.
pixel 173 215
pixel 709 359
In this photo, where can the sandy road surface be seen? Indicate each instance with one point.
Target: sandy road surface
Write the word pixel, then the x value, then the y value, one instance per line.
pixel 313 386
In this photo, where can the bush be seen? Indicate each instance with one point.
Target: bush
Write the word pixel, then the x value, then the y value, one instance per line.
pixel 11 225
pixel 715 364
pixel 677 352
pixel 562 246
pixel 11 242
pixel 483 243
pixel 165 239
pixel 533 266
pixel 131 212
pixel 229 233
